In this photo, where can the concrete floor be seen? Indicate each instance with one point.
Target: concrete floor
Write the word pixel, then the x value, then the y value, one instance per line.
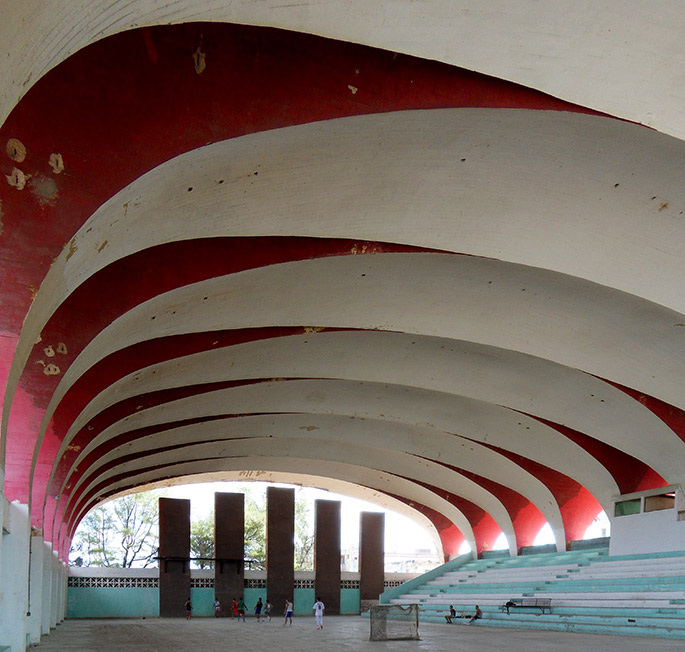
pixel 339 633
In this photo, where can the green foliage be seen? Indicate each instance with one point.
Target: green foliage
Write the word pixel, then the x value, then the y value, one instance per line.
pixel 304 534
pixel 255 532
pixel 202 541
pixel 119 534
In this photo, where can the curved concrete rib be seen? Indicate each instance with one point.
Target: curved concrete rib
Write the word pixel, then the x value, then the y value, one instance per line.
pixel 374 479
pixel 504 209
pixel 382 439
pixel 620 58
pixel 486 375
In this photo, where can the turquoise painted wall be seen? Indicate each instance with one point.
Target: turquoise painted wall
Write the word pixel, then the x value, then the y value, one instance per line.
pixel 202 600
pixel 144 603
pixel 303 601
pixel 112 603
pixel 349 601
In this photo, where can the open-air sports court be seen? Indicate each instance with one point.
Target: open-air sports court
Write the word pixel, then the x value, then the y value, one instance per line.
pixel 339 633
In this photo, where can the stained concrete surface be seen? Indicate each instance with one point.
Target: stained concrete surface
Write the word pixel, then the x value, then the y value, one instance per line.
pixel 340 633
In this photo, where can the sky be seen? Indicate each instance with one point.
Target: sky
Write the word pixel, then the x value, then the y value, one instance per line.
pixel 401 534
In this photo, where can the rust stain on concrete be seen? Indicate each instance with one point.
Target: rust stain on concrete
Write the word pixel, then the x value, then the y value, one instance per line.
pixel 663 206
pixel 72 248
pixel 309 428
pixel 102 246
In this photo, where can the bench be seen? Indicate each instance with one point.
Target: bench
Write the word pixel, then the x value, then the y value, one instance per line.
pixel 539 603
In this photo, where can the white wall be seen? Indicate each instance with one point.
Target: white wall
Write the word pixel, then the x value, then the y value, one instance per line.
pixel 648 532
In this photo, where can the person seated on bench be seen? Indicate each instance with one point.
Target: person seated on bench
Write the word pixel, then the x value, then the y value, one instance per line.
pixel 477 615
pixel 453 613
pixel 507 605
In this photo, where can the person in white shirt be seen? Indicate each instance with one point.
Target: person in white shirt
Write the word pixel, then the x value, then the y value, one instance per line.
pixel 319 609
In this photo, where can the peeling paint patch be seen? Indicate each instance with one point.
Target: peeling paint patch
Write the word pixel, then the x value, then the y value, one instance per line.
pixel 16 178
pixel 45 189
pixel 72 248
pixel 51 370
pixel 56 162
pixel 62 348
pixel 309 428
pixel 73 447
pixel 49 351
pixel 199 59
pixel 15 150
pixel 353 89
pixel 357 250
pixel 313 329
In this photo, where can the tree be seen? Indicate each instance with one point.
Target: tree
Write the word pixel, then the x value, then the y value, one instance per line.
pixel 202 541
pixel 121 533
pixel 304 535
pixel 255 532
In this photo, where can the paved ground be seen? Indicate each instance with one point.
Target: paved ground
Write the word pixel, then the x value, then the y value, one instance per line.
pixel 341 633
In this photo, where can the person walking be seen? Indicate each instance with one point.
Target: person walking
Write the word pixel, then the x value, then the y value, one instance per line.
pixel 288 612
pixel 189 609
pixel 267 610
pixel 217 608
pixel 234 609
pixel 258 610
pixel 241 609
pixel 319 609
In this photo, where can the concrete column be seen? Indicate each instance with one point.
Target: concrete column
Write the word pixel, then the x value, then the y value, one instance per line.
pixel 46 600
pixel 35 608
pixel 371 558
pixel 229 544
pixel 280 546
pixel 14 576
pixel 64 578
pixel 54 604
pixel 174 543
pixel 327 554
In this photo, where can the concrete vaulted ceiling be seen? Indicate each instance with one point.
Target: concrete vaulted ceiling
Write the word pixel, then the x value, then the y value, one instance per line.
pixel 424 253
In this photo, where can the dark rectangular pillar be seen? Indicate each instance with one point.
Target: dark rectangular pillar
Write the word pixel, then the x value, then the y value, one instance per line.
pixel 327 554
pixel 174 553
pixel 280 546
pixel 371 557
pixel 229 548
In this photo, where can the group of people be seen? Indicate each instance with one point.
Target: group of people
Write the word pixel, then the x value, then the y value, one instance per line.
pixel 262 610
pixel 453 614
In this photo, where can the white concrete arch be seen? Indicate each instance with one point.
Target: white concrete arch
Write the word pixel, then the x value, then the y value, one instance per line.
pixel 546 315
pixel 485 374
pixel 621 58
pixel 333 485
pixel 418 421
pixel 374 479
pixel 378 436
pixel 390 461
pixel 518 165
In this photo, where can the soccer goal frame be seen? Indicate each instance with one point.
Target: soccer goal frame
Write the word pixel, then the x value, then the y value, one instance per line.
pixel 394 622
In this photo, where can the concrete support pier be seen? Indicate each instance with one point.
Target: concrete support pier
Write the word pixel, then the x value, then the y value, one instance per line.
pixel 280 546
pixel 371 557
pixel 229 547
pixel 327 554
pixel 174 551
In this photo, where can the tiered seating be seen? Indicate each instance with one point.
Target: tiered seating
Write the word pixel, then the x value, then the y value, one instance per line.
pixel 641 595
